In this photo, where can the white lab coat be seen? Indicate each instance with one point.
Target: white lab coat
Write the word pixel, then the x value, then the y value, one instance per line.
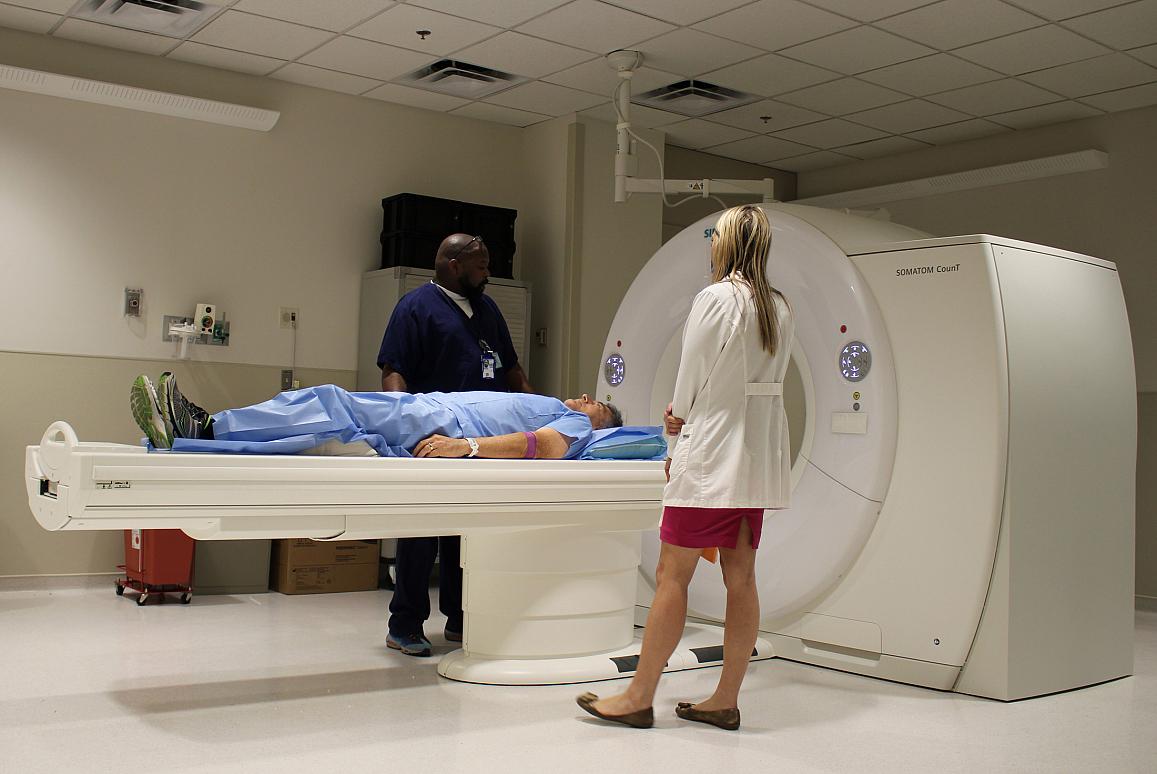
pixel 733 451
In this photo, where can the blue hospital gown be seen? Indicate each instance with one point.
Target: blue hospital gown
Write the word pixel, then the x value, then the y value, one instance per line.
pixel 391 422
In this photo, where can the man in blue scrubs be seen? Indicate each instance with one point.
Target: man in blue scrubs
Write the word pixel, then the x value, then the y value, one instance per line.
pixel 446 336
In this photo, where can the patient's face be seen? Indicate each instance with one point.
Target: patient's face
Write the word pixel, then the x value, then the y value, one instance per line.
pixel 597 413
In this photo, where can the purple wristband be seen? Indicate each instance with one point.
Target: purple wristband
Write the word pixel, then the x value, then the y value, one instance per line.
pixel 531 446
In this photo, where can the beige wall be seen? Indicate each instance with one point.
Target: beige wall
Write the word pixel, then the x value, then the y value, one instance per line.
pixel 1147 500
pixel 1109 213
pixel 94 199
pixel 91 394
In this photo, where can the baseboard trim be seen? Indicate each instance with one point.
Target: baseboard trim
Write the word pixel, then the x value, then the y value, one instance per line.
pixel 1147 603
pixel 52 582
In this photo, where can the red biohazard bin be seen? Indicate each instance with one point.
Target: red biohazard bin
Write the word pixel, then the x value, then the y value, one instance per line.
pixel 157 561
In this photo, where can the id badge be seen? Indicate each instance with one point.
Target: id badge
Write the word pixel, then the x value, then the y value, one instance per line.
pixel 488 366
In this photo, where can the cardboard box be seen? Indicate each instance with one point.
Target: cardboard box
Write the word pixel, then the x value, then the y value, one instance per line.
pixel 304 566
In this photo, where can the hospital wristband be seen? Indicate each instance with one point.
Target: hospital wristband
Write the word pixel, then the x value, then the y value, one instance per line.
pixel 531 446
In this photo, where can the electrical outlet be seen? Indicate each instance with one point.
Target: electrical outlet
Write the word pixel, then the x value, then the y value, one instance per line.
pixel 289 316
pixel 133 302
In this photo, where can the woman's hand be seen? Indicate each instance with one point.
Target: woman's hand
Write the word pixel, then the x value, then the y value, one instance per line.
pixel 442 446
pixel 667 469
pixel 671 423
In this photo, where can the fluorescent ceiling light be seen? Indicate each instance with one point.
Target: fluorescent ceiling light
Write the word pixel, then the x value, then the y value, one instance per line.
pixel 160 102
pixel 985 177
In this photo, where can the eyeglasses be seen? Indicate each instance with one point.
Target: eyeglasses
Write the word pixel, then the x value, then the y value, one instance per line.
pixel 459 251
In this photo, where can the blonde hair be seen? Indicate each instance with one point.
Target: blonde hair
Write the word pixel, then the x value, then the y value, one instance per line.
pixel 742 243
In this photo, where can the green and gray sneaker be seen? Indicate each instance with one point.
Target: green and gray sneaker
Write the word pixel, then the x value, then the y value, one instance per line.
pixel 187 419
pixel 147 413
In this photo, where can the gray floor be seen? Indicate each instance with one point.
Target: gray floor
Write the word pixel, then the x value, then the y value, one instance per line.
pixel 271 683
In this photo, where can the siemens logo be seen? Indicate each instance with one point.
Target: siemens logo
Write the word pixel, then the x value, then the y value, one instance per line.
pixel 909 271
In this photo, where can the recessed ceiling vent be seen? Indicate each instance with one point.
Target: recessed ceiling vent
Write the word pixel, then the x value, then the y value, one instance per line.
pixel 460 79
pixel 693 98
pixel 174 18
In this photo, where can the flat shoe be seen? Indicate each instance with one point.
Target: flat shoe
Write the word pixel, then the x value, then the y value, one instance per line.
pixel 727 719
pixel 641 719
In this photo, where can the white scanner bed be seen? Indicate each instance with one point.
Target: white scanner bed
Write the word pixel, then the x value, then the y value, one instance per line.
pixel 550 550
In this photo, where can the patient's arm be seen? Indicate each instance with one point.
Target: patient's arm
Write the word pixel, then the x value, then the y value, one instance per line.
pixel 552 445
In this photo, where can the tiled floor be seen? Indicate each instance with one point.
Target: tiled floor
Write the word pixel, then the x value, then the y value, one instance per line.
pixel 270 683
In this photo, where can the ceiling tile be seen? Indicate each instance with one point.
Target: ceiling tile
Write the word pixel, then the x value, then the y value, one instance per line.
pixel 769 75
pixel 114 37
pixel 258 35
pixel 597 77
pixel 810 161
pixel 60 7
pixel 224 59
pixel 888 146
pixel 1092 76
pixel 830 134
pixel 965 130
pixel 333 15
pixel 521 54
pixel 857 50
pixel 399 25
pixel 691 53
pixel 499 114
pixel 363 57
pixel 780 116
pixel 1126 26
pixel 696 133
pixel 1063 9
pixel 27 19
pixel 775 24
pixel 324 79
pixel 847 95
pixel 870 11
pixel 506 13
pixel 404 95
pixel 904 117
pixel 1147 54
pixel 539 97
pixel 641 115
pixel 995 97
pixel 1124 99
pixel 953 23
pixel 1056 113
pixel 681 12
pixel 760 150
pixel 1030 50
pixel 595 26
pixel 939 72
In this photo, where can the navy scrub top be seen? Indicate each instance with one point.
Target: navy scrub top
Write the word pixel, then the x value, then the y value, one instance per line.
pixel 431 342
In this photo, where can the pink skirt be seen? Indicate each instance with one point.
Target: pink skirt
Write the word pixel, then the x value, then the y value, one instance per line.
pixel 708 527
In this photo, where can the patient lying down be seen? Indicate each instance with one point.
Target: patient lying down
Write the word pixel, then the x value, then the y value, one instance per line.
pixel 393 424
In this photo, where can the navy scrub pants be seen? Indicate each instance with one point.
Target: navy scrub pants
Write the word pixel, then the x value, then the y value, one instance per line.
pixel 410 606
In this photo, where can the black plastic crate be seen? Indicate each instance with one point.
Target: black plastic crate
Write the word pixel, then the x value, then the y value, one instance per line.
pixel 406 248
pixel 412 223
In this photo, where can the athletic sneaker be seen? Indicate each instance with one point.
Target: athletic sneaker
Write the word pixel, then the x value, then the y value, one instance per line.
pixel 410 644
pixel 187 419
pixel 147 413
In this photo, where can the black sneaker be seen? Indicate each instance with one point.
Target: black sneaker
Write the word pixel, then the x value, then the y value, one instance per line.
pixel 187 419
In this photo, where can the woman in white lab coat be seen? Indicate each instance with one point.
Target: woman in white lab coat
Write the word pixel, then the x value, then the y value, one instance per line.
pixel 730 462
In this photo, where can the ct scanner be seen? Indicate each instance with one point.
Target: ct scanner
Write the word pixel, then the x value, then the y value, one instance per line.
pixel 963 490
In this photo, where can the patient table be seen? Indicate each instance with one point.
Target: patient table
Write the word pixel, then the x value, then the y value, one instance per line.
pixel 550 549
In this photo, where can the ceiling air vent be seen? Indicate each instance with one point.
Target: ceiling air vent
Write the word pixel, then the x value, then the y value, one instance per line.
pixel 174 18
pixel 693 98
pixel 460 79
